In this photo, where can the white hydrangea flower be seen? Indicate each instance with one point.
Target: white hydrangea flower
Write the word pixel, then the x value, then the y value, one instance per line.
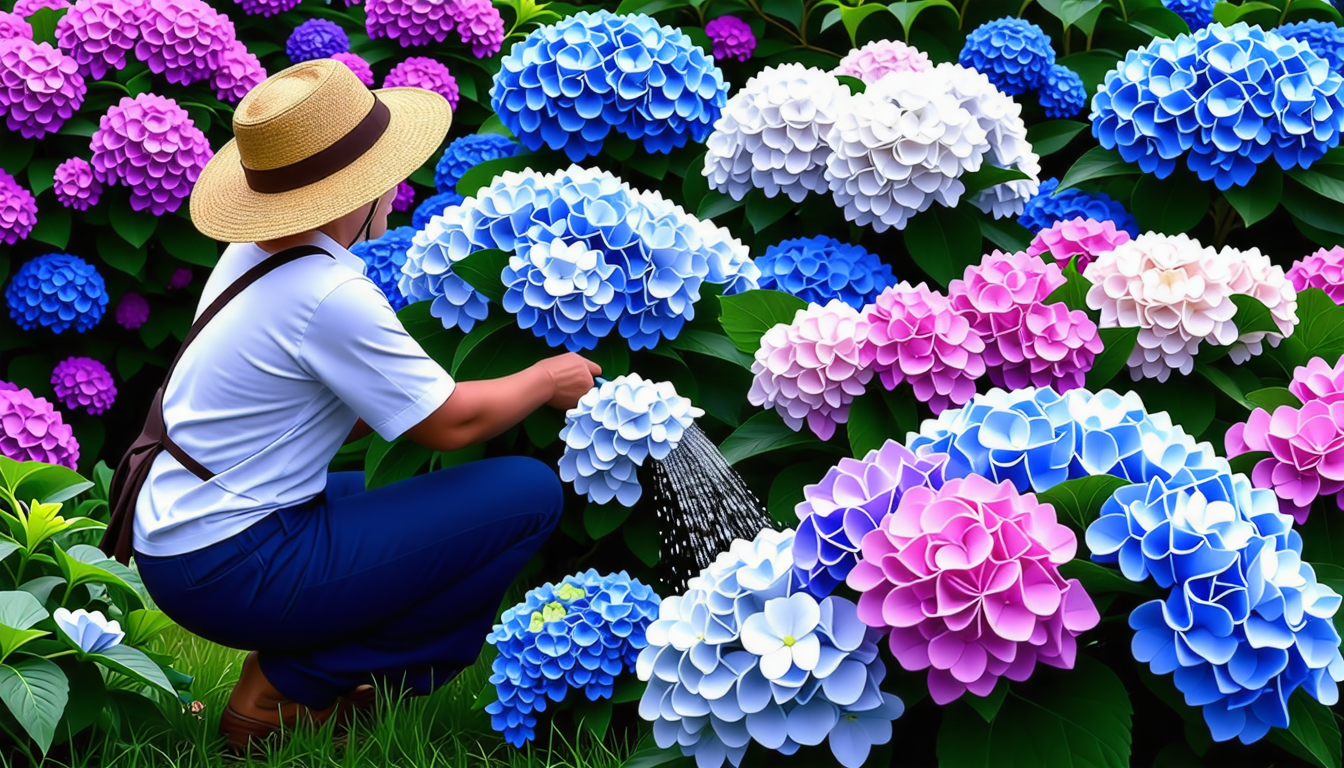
pixel 1001 118
pixel 1253 274
pixel 772 134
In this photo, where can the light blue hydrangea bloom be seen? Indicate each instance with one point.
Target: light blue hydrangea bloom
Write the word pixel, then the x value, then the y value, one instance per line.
pixel 579 634
pixel 1325 38
pixel 1063 94
pixel 56 291
pixel 818 269
pixel 384 258
pixel 1013 53
pixel 567 294
pixel 1051 205
pixel 466 153
pixel 433 206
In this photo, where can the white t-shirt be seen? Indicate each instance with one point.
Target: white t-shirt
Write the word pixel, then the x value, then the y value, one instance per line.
pixel 270 389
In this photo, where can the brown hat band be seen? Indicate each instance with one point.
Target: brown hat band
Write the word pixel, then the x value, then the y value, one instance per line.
pixel 320 165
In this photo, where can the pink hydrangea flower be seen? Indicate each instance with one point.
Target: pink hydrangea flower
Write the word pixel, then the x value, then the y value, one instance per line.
pixel 132 310
pixel 1085 238
pixel 26 8
pixel 1251 273
pixel 880 58
pixel 478 24
pixel 408 22
pixel 915 335
pixel 239 72
pixel 731 38
pixel 1028 343
pixel 75 185
pixel 18 210
pixel 40 87
pixel 357 65
pixel 32 430
pixel 180 279
pixel 1323 269
pixel 405 197
pixel 99 33
pixel 810 370
pixel 13 25
pixel 184 40
pixel 84 383
pixel 1317 380
pixel 150 144
pixel 424 72
pixel 967 579
pixel 1306 447
pixel 267 7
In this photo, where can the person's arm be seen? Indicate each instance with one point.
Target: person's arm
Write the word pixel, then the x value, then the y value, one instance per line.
pixel 479 410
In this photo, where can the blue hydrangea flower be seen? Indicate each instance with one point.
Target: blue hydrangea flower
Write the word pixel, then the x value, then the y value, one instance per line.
pixel 1063 94
pixel 615 428
pixel 316 39
pixel 1195 13
pixel 1325 38
pixel 466 153
pixel 384 259
pixel 433 206
pixel 1052 205
pixel 746 654
pixel 567 294
pixel 56 291
pixel 579 634
pixel 568 85
pixel 1227 98
pixel 818 269
pixel 1013 53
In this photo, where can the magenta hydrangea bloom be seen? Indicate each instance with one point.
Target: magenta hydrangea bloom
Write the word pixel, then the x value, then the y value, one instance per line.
pixel 424 72
pixel 180 279
pixel 99 33
pixel 32 430
pixel 810 370
pixel 150 144
pixel 1084 238
pixel 18 210
pixel 184 40
pixel 731 37
pixel 75 185
pixel 880 58
pixel 408 22
pixel 239 72
pixel 132 310
pixel 915 335
pixel 26 8
pixel 1028 343
pixel 1306 453
pixel 1317 380
pixel 405 197
pixel 6 386
pixel 1323 269
pixel 13 25
pixel 967 579
pixel 267 7
pixel 40 87
pixel 358 65
pixel 478 25
pixel 82 382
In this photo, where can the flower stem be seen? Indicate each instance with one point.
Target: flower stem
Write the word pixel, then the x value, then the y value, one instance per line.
pixel 59 654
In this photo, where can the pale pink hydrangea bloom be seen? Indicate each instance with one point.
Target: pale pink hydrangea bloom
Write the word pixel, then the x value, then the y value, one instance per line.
pixel 880 58
pixel 1254 275
pixel 1085 238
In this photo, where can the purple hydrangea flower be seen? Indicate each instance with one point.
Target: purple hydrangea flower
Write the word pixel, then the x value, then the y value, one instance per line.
pixel 915 335
pixel 818 269
pixel 466 153
pixel 358 65
pixel 132 310
pixel 239 72
pixel 18 210
pixel 180 279
pixel 75 185
pixel 316 39
pixel 56 291
pixel 32 430
pixel 267 7
pixel 404 198
pixel 424 72
pixel 184 40
pixel 1323 269
pixel 82 382
pixel 6 386
pixel 408 22
pixel 732 38
pixel 99 33
pixel 1063 94
pixel 479 25
pixel 40 87
pixel 150 144
pixel 1014 53
pixel 12 26
pixel 26 8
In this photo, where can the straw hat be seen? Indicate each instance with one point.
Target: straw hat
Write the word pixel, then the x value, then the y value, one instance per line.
pixel 310 145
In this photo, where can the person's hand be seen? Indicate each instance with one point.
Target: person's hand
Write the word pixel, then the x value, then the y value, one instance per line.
pixel 571 378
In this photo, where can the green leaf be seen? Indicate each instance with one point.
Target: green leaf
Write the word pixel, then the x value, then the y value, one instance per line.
pixel 747 316
pixel 53 227
pixel 14 155
pixel 763 211
pixel 1227 14
pixel 1313 209
pixel 872 422
pixel 20 610
pixel 1319 334
pixel 122 256
pixel 488 695
pixel 786 490
pixel 41 174
pixel 1098 579
pixel 1097 163
pixel 1312 732
pixel 78 126
pixel 482 271
pixel 135 227
pixel 402 460
pixel 715 204
pixel 77 572
pixel 652 756
pixel 47 483
pixel 601 519
pixel 943 242
pixel 1314 9
pixel 760 434
pixel 641 536
pixel 907 12
pixel 44 23
pixel 134 664
pixel 483 330
pixel 1260 197
pixel 627 688
pixel 988 706
pixel 853 17
pixel 1172 205
pixel 1079 501
pixel 1245 463
pixel 184 241
pixel 1051 136
pixel 143 625
pixel 1270 398
pixel 482 175
pixel 1225 383
pixel 1073 293
pixel 989 176
pixel 41 587
pixel 1069 11
pixel 1006 234
pixel 1118 345
pixel 593 716
pixel 854 84
pixel 712 344
pixel 1252 315
pixel 35 691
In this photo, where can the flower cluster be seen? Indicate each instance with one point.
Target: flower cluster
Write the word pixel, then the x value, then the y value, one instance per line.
pixel 267 7
pixel 564 292
pixel 434 205
pixel 1053 205
pixel 27 8
pixel 404 197
pixel 880 58
pixel 1228 98
pixel 180 279
pixel 358 65
pixel 1085 239
pixel 91 632
pixel 56 291
pixel 614 428
pixel 747 655
pixel 1254 275
pixel 466 153
pixel 13 25
pixel 98 34
pixel 423 22
pixel 84 383
pixel 31 430
pixel 1323 269
pixel 132 310
pixel 316 39
pixel 1195 13
pixel 40 87
pixel 1246 622
pixel 819 269
pixel 568 85
pixel 75 184
pixel 1014 53
pixel 966 578
pixel 580 634
pixel 239 72
pixel 150 144
pixel 383 259
pixel 478 25
pixel 1063 93
pixel 917 335
pixel 427 73
pixel 18 210
pixel 184 40
pixel 852 499
pixel 731 38
pixel 1326 39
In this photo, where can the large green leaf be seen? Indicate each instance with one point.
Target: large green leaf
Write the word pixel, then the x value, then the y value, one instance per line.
pixel 943 242
pixel 19 611
pixel 144 624
pixel 786 490
pixel 1252 315
pixel 1260 197
pixel 48 483
pixel 989 176
pixel 123 256
pixel 1270 398
pixel 907 11
pixel 712 344
pixel 878 416
pixel 747 316
pixel 77 572
pixel 479 334
pixel 601 519
pixel 1319 334
pixel 1051 136
pixel 134 664
pixel 1097 163
pixel 1078 501
pixel 402 460
pixel 482 269
pixel 1312 732
pixel 36 691
pixel 135 227
pixel 1073 293
pixel 53 227
pixel 1172 205
pixel 760 434
pixel 184 241
pixel 763 211
pixel 1118 345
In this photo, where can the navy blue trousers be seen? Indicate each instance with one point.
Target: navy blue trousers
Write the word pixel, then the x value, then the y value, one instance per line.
pixel 397 585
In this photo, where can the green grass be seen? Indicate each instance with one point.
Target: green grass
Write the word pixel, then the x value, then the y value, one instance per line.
pixel 438 731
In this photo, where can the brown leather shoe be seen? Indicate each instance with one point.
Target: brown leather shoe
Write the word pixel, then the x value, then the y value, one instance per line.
pixel 350 704
pixel 256 710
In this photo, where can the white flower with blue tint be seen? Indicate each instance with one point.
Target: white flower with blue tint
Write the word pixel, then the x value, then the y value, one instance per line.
pixel 91 632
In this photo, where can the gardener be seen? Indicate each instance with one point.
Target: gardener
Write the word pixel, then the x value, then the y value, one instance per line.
pixel 240 533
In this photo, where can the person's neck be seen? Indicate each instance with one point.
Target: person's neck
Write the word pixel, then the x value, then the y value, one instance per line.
pixel 302 238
